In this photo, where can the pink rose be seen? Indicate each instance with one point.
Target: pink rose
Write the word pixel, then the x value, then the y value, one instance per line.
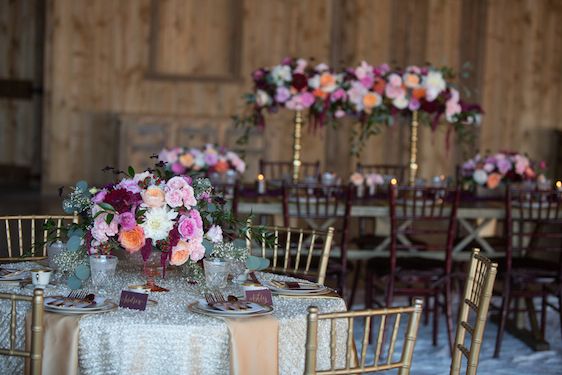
pixel 127 221
pixel 188 196
pixel 187 227
pixel 197 250
pixel 129 185
pixel 307 99
pixel 174 198
pixel 196 215
pixel 177 183
pixel 102 231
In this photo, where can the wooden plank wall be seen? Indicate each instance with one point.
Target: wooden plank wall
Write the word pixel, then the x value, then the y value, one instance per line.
pixel 113 61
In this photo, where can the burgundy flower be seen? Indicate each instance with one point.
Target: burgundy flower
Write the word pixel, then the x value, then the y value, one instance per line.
pixel 174 237
pixel 122 200
pixel 299 81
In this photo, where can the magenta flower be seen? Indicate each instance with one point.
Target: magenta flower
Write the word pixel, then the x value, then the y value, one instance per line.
pixel 414 104
pixel 127 221
pixel 337 95
pixel 504 165
pixel 177 168
pixel 187 227
pixel 307 99
pixel 99 197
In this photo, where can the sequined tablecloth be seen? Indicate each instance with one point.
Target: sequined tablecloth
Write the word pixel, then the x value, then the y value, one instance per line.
pixel 167 338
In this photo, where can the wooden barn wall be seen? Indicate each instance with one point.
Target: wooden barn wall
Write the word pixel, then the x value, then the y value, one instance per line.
pixel 125 78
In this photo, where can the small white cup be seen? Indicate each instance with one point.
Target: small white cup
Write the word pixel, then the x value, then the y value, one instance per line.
pixel 40 277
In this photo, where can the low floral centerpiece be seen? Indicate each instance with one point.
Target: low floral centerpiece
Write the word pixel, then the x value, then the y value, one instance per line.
pixel 152 213
pixel 210 159
pixel 369 180
pixel 492 169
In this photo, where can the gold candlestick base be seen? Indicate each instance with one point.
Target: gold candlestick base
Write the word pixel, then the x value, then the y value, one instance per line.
pixel 413 149
pixel 297 146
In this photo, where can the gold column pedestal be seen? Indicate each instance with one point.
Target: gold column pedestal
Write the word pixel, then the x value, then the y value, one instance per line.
pixel 297 145
pixel 413 165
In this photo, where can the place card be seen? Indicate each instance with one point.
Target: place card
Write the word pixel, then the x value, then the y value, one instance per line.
pixel 261 296
pixel 133 300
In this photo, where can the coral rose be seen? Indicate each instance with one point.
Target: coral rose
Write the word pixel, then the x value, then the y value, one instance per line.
pixel 153 197
pixel 221 166
pixel 187 160
pixel 132 240
pixel 180 253
pixel 494 180
pixel 371 100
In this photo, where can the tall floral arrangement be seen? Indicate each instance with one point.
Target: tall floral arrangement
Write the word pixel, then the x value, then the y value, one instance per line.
pixel 210 159
pixel 372 95
pixel 490 170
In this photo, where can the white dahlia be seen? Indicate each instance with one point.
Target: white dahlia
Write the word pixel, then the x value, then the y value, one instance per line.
pixel 158 222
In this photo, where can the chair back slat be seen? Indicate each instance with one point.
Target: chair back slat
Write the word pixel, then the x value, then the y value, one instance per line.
pixel 294 244
pixel 283 170
pixel 354 361
pixel 35 354
pixel 20 235
pixel 476 298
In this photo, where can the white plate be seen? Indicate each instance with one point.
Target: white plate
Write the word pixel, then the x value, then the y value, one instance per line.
pixel 201 306
pixel 107 306
pixel 13 275
pixel 101 304
pixel 306 288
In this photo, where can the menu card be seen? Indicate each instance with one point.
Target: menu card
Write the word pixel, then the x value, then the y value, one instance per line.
pixel 133 300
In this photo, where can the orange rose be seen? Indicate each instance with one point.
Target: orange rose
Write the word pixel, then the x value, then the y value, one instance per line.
pixel 326 79
pixel 379 85
pixel 186 160
pixel 418 93
pixel 530 173
pixel 319 93
pixel 494 180
pixel 371 100
pixel 132 240
pixel 180 253
pixel 221 166
pixel 153 197
pixel 411 80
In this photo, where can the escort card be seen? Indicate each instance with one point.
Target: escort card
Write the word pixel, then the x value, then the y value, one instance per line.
pixel 133 300
pixel 261 296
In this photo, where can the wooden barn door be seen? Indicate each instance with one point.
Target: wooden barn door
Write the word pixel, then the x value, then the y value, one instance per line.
pixel 21 80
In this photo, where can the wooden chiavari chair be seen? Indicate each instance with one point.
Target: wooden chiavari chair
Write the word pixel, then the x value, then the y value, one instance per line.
pixel 36 353
pixel 355 363
pixel 296 252
pixel 321 206
pixel 397 171
pixel 422 229
pixel 283 170
pixel 532 266
pixel 20 235
pixel 476 299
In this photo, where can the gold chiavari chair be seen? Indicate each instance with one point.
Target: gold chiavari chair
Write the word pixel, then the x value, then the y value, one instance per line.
pixel 476 299
pixel 19 236
pixel 297 252
pixel 354 363
pixel 36 353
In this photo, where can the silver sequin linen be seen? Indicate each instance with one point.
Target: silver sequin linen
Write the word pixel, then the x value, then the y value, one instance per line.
pixel 169 339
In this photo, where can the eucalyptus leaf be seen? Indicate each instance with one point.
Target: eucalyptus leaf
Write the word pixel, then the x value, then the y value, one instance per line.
pixel 82 186
pixel 211 207
pixel 264 263
pixel 82 272
pixel 74 243
pixel 239 243
pixel 208 245
pixel 74 283
pixel 254 263
pixel 75 232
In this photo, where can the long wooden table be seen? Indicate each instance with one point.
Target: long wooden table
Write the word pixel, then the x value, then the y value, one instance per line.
pixel 472 218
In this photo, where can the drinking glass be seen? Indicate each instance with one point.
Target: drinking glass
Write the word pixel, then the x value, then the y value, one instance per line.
pixel 216 272
pixel 102 269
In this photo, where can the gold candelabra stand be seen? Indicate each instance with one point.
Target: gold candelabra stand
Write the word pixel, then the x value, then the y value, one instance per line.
pixel 413 165
pixel 297 145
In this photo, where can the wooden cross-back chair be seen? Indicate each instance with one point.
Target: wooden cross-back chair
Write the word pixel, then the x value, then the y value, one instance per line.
pixel 422 230
pixel 35 354
pixel 355 362
pixel 20 235
pixel 296 251
pixel 283 170
pixel 475 301
pixel 397 171
pixel 321 206
pixel 532 265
